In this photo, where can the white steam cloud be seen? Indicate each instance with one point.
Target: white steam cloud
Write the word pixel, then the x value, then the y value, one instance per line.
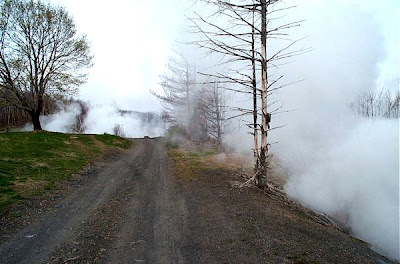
pixel 61 121
pixel 342 165
pixel 355 180
pixel 103 119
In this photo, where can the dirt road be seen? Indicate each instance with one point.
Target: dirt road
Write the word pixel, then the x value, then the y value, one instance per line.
pixel 132 209
pixel 129 211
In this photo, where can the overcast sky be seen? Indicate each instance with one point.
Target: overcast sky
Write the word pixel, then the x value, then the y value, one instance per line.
pixel 132 39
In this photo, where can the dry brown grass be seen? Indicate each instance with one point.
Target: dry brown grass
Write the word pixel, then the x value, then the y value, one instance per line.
pixel 189 162
pixel 98 143
pixel 231 161
pixel 186 166
pixel 29 187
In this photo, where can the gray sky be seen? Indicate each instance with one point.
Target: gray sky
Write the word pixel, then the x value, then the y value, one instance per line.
pixel 132 39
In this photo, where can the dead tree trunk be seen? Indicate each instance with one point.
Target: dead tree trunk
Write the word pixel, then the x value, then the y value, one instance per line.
pixel 187 86
pixel 254 84
pixel 262 173
pixel 218 116
pixel 239 45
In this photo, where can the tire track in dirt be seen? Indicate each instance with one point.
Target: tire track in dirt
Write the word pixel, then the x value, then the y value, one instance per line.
pixel 155 219
pixel 119 215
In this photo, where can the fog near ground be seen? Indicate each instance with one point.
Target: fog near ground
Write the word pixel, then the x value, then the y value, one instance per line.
pixel 338 163
pixel 102 119
pixel 355 180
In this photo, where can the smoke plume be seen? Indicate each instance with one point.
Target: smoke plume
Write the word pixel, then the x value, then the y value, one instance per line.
pixel 101 119
pixel 340 164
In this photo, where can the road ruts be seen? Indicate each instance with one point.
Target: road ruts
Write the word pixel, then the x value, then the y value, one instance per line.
pixel 130 211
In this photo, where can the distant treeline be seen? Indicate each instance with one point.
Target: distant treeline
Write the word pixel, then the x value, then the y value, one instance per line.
pixel 383 103
pixel 14 117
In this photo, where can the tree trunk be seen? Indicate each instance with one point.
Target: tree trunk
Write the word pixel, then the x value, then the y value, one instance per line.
pixel 254 84
pixel 218 114
pixel 35 120
pixel 261 179
pixel 189 112
pixel 35 115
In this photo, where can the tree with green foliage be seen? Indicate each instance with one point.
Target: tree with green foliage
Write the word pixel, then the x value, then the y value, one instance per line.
pixel 41 55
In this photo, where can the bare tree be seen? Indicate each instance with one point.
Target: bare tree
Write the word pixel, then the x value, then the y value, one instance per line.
pixel 209 112
pixel 373 104
pixel 244 40
pixel 41 55
pixel 11 116
pixel 79 125
pixel 178 85
pixel 199 126
pixel 118 130
pixel 392 105
pixel 215 112
pixel 194 106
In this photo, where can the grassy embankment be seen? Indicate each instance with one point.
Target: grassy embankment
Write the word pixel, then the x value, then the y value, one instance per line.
pixel 33 162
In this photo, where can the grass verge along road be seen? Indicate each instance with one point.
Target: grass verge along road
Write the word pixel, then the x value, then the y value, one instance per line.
pixel 33 162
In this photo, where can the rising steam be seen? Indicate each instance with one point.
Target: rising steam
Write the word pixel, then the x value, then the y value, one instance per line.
pixel 340 164
pixel 101 119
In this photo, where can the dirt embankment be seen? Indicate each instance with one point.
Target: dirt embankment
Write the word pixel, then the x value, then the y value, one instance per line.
pixel 139 208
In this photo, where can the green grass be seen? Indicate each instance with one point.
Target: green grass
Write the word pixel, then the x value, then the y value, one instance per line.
pixel 33 162
pixel 113 141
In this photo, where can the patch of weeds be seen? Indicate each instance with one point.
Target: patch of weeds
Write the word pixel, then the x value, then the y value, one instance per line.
pixel 187 164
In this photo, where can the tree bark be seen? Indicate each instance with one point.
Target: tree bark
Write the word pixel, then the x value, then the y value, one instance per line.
pixel 35 120
pixel 217 114
pixel 254 84
pixel 189 112
pixel 261 179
